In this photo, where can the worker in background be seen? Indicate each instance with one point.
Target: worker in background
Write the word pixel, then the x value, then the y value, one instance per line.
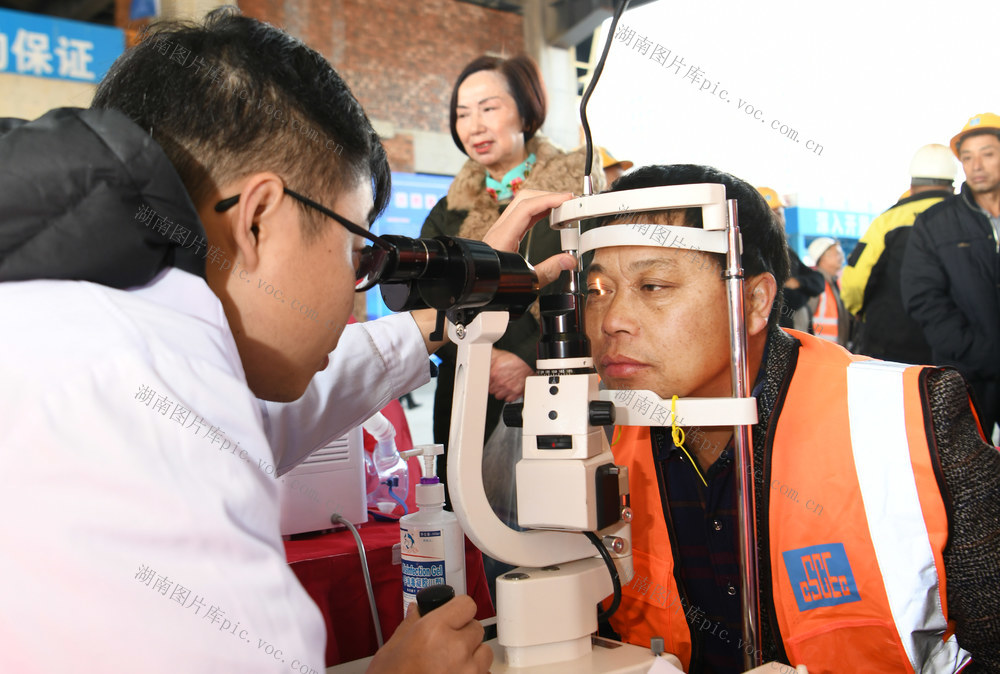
pixel 877 500
pixel 613 168
pixel 871 287
pixel 831 321
pixel 951 269
pixel 803 283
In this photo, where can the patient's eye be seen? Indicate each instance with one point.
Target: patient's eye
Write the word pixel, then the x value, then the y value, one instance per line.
pixel 597 289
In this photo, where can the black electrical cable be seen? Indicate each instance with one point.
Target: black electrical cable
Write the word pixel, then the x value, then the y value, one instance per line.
pixel 589 163
pixel 335 518
pixel 593 83
pixel 615 580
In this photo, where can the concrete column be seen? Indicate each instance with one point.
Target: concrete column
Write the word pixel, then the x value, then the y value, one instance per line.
pixel 559 72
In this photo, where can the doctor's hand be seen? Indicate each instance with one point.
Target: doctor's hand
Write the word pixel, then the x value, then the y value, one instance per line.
pixel 507 375
pixel 527 208
pixel 778 668
pixel 448 639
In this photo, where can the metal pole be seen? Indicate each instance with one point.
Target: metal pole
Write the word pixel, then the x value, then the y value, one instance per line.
pixel 743 446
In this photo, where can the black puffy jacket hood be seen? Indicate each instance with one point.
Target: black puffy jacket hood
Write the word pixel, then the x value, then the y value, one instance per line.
pixel 72 186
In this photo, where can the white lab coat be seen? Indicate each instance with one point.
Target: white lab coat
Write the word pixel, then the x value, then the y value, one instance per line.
pixel 136 537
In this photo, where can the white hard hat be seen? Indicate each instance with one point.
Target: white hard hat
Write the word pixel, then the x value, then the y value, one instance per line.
pixel 820 246
pixel 933 161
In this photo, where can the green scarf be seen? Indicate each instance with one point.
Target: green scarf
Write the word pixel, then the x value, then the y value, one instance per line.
pixel 505 189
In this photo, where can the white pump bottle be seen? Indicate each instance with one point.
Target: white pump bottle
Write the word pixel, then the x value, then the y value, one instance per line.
pixel 432 544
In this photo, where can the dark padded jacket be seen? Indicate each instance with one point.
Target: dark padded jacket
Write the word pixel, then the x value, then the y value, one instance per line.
pixel 951 285
pixel 871 284
pixel 71 185
pixel 811 284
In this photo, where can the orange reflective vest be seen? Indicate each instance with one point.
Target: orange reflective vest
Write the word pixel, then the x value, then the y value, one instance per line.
pixel 856 526
pixel 826 317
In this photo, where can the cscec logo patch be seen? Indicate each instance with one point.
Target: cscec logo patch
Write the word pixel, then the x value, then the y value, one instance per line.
pixel 821 576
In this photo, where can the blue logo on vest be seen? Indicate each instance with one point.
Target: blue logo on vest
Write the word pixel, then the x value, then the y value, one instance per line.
pixel 821 576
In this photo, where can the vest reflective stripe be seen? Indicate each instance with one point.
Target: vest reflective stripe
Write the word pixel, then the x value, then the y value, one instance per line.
pixel 825 320
pixel 840 606
pixel 827 592
pixel 887 477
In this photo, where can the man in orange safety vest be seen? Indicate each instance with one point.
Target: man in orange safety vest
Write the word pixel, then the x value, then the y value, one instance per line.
pixel 877 500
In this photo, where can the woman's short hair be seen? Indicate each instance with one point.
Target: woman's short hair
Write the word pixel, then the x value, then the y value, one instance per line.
pixel 524 83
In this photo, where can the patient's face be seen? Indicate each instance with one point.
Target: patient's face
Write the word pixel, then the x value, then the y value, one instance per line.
pixel 657 319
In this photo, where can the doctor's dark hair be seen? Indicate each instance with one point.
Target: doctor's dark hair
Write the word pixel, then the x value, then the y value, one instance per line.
pixel 234 96
pixel 764 245
pixel 524 83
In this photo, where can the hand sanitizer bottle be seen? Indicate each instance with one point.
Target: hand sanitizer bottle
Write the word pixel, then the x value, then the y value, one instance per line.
pixel 432 544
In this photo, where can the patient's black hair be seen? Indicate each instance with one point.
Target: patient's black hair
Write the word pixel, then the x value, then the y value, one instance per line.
pixel 764 245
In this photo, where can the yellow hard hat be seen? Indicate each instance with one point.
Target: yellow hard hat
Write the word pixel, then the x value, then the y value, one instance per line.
pixel 771 197
pixel 986 120
pixel 607 161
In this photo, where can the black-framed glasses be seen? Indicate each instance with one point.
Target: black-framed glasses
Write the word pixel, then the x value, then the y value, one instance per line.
pixel 374 258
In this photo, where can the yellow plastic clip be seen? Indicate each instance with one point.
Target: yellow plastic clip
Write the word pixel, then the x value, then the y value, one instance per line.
pixel 677 433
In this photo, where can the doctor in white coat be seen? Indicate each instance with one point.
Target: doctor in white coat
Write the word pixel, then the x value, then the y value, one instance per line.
pixel 158 370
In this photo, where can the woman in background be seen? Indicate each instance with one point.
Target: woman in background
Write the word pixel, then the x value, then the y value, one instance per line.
pixel 497 107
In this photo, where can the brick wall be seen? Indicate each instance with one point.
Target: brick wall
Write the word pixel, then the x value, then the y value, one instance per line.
pixel 400 58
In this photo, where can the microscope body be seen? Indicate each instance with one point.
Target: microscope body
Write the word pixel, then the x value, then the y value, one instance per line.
pixel 572 498
pixel 565 454
pixel 567 483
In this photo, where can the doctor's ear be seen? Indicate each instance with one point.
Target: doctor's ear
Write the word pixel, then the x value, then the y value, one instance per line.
pixel 760 293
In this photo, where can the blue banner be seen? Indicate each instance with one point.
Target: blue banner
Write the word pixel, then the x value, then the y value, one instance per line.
pixel 803 225
pixel 40 46
pixel 141 9
pixel 813 222
pixel 413 197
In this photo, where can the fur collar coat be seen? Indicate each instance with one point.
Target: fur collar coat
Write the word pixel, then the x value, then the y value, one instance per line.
pixel 554 171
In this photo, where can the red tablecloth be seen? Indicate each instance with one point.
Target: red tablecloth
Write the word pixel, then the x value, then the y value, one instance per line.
pixel 329 568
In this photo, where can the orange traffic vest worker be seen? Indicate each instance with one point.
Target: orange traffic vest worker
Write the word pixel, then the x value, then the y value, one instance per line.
pixel 857 582
pixel 826 319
